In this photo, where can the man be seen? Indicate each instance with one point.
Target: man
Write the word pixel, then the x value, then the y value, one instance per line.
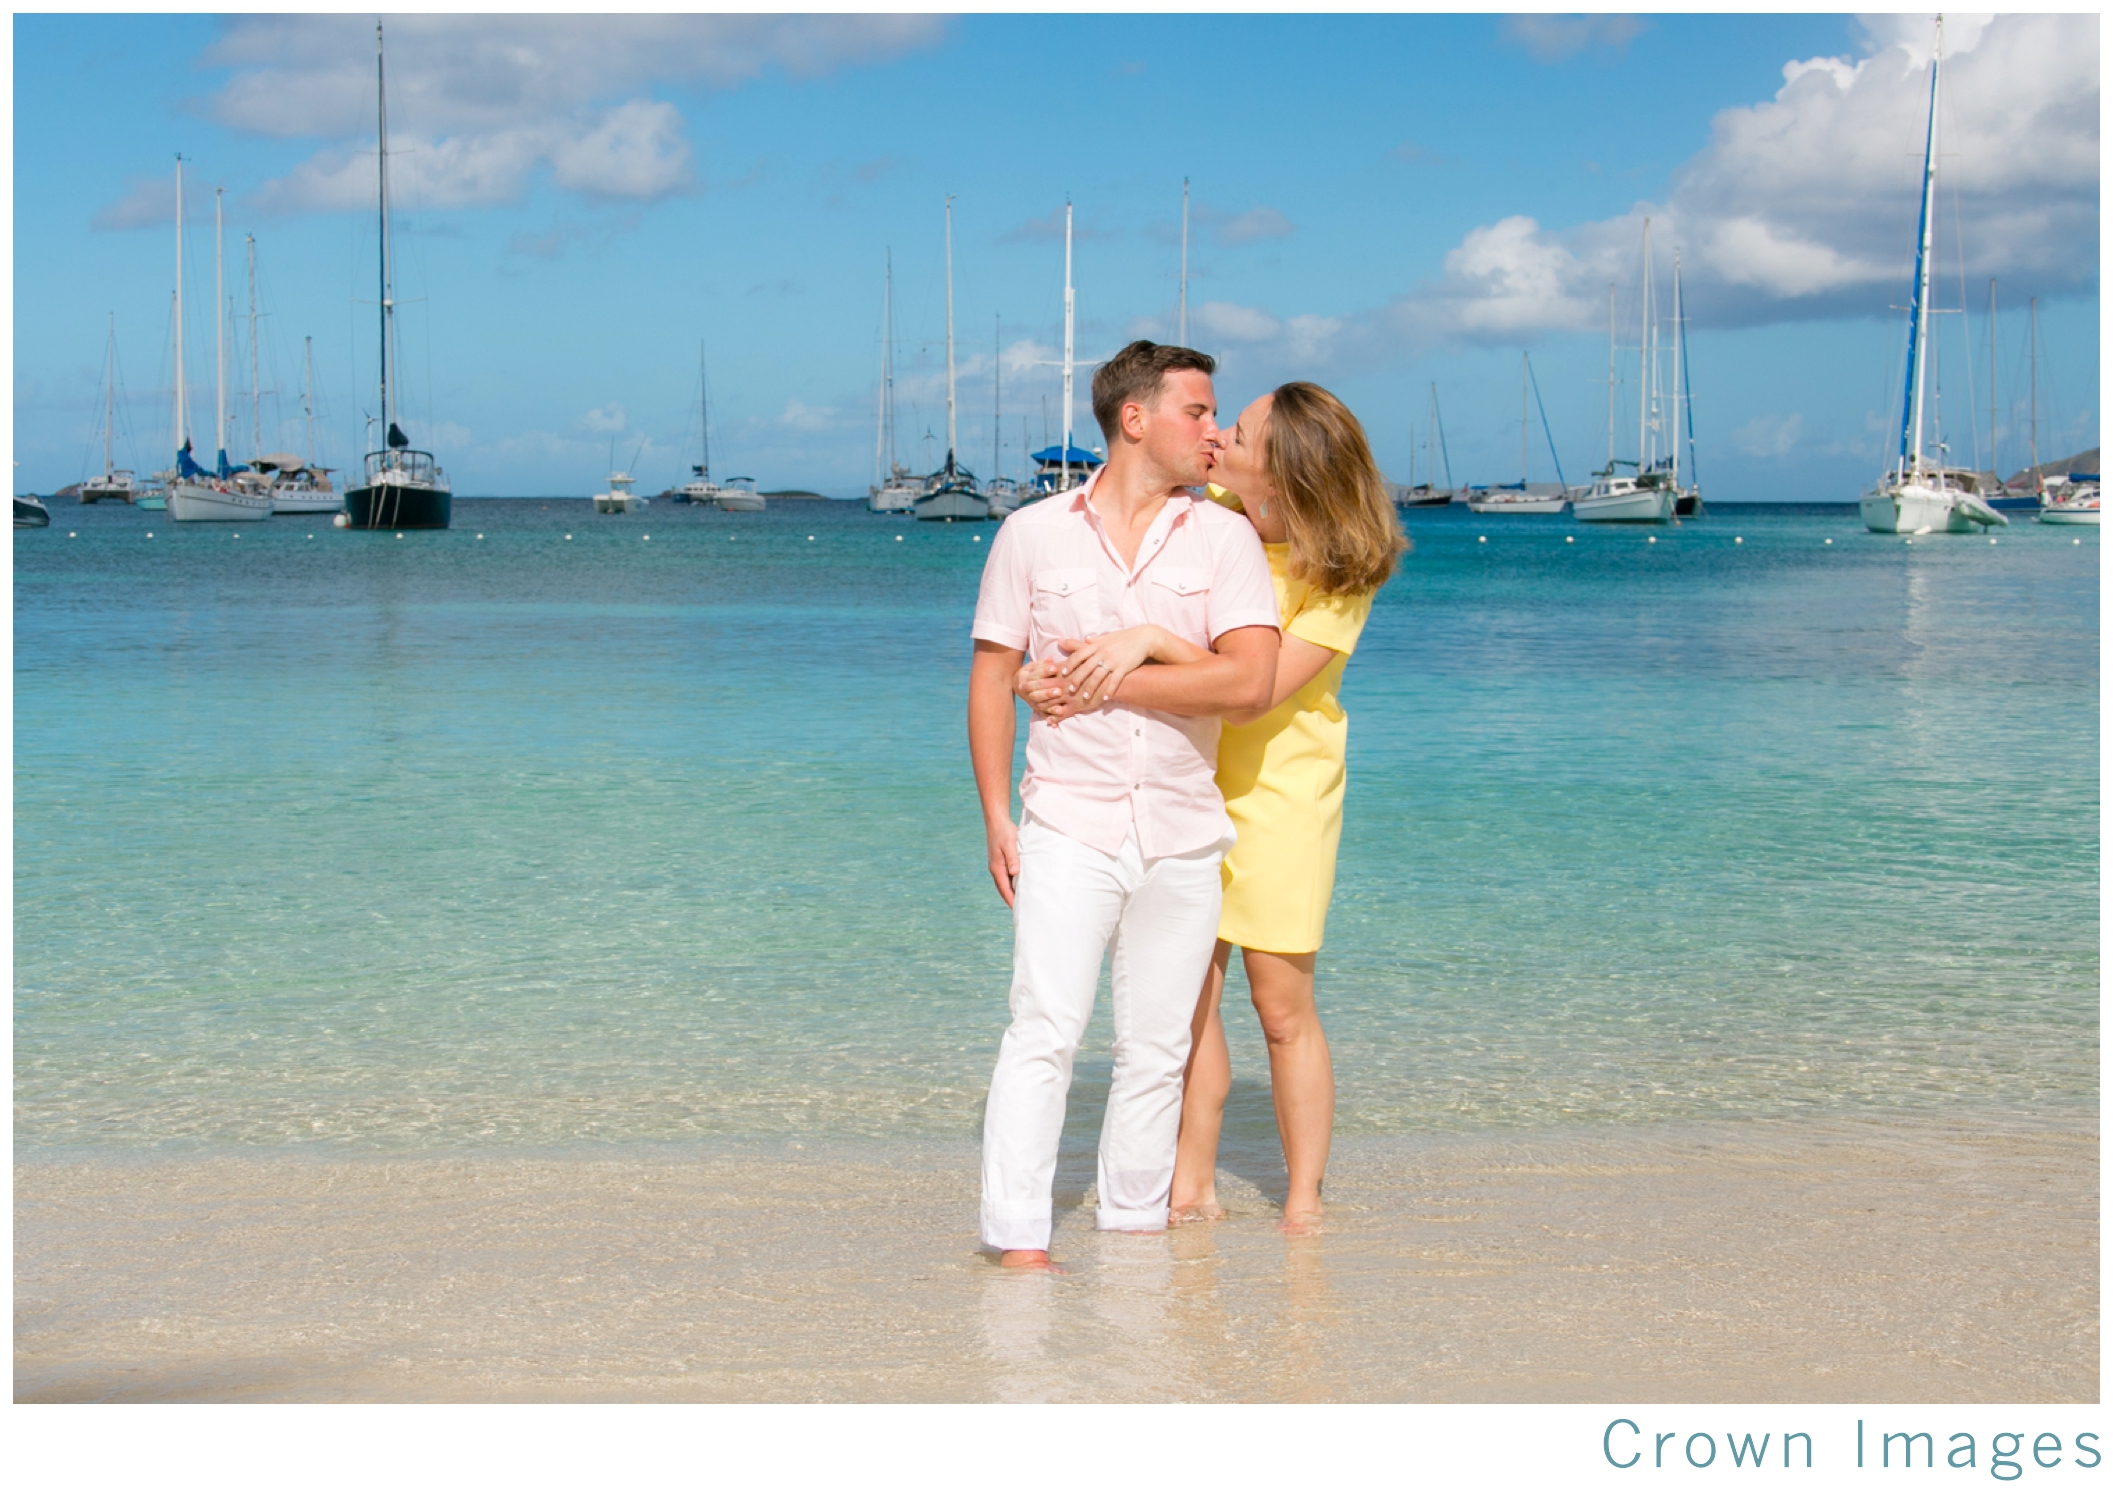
pixel 1124 828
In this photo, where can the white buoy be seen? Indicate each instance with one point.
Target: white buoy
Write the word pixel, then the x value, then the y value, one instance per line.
pixel 341 520
pixel 238 535
pixel 311 535
pixel 1483 538
pixel 1652 539
pixel 2073 542
pixel 1737 539
pixel 568 537
pixel 898 537
pixel 1991 543
pixel 977 539
pixel 645 538
pixel 1568 539
pixel 150 535
pixel 810 537
pixel 399 536
pixel 1830 540
pixel 480 537
pixel 76 535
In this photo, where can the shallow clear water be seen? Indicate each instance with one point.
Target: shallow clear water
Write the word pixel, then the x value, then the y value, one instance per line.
pixel 350 843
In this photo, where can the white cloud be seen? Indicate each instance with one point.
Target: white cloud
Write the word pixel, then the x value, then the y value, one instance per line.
pixel 478 104
pixel 798 415
pixel 1769 437
pixel 1259 223
pixel 1552 39
pixel 606 420
pixel 1804 205
pixel 1230 321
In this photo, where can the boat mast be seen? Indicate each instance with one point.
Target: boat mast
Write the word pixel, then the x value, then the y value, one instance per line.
pixel 880 417
pixel 308 391
pixel 1993 468
pixel 950 334
pixel 1439 424
pixel 887 319
pixel 1643 361
pixel 1430 444
pixel 1065 483
pixel 1610 378
pixel 256 409
pixel 2034 306
pixel 704 414
pixel 997 411
pixel 388 307
pixel 220 312
pixel 1679 360
pixel 109 394
pixel 1183 337
pixel 183 414
pixel 1522 422
pixel 1918 318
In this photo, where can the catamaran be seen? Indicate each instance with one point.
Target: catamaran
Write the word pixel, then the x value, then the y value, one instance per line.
pixel 404 488
pixel 1919 494
pixel 950 493
pixel 220 494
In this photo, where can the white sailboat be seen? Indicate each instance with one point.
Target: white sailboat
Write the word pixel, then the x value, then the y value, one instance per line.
pixel 1067 464
pixel 1005 494
pixel 894 488
pixel 1524 498
pixel 1647 495
pixel 196 494
pixel 700 489
pixel 1429 493
pixel 298 484
pixel 113 484
pixel 950 493
pixel 1918 494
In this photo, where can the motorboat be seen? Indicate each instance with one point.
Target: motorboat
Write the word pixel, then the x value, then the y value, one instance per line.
pixel 739 494
pixel 30 511
pixel 619 498
pixel 1522 499
pixel 2071 500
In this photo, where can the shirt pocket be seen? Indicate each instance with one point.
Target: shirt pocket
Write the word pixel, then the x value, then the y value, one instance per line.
pixel 1065 603
pixel 1179 600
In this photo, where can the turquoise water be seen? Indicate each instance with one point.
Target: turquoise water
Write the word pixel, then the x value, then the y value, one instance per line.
pixel 353 843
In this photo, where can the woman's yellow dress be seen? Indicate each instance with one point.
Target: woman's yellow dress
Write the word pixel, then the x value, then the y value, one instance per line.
pixel 1282 777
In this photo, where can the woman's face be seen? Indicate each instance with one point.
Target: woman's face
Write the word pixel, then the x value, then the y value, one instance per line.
pixel 1242 468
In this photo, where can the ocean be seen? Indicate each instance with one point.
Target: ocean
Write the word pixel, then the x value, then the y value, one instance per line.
pixel 558 837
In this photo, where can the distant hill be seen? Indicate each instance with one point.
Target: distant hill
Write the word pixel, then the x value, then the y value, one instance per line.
pixel 794 496
pixel 2084 462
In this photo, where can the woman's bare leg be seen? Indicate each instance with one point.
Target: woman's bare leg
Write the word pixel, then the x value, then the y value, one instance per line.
pixel 1301 1075
pixel 1205 1083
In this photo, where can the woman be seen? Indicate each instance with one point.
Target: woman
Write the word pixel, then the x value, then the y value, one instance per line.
pixel 1298 466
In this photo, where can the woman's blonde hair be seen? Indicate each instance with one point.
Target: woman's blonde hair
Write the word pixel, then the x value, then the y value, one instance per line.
pixel 1344 533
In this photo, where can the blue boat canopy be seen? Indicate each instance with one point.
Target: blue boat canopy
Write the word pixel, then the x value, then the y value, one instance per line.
pixel 1054 455
pixel 185 465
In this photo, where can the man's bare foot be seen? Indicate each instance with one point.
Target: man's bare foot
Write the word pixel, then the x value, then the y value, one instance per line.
pixel 1029 1258
pixel 1202 1211
pixel 1301 1223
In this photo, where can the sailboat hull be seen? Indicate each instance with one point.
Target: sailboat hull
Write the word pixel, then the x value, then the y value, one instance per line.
pixel 953 504
pixel 398 508
pixel 1644 504
pixel 290 499
pixel 195 501
pixel 1924 509
pixel 1522 502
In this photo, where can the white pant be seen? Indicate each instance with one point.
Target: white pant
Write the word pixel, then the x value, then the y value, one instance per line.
pixel 1070 901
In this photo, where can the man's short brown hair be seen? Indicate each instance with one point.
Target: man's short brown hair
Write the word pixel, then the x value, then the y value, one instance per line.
pixel 1135 374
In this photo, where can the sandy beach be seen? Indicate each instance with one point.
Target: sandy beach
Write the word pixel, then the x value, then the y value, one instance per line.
pixel 1750 1262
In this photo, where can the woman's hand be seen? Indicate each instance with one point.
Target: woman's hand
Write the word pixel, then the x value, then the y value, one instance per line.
pixel 1096 666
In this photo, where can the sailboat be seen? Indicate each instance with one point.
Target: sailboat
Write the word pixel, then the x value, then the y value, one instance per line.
pixel 950 493
pixel 197 494
pixel 1917 494
pixel 404 488
pixel 1006 495
pixel 113 484
pixel 1647 495
pixel 894 489
pixel 1429 494
pixel 298 484
pixel 1539 500
pixel 1061 466
pixel 700 489
pixel 1687 500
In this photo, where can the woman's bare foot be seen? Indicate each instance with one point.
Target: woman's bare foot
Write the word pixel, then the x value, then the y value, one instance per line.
pixel 1301 1223
pixel 1202 1211
pixel 1029 1258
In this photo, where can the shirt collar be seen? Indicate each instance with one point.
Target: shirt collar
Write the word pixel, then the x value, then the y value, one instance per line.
pixel 1178 505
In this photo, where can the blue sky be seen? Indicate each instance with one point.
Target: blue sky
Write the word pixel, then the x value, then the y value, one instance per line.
pixel 1379 203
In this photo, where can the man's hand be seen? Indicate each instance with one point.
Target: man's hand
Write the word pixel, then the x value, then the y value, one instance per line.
pixel 1002 839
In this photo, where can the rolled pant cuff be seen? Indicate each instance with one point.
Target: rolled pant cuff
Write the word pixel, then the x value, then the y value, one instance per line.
pixel 1130 1219
pixel 1006 1225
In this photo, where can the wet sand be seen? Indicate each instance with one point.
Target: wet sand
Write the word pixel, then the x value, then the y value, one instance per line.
pixel 1719 1263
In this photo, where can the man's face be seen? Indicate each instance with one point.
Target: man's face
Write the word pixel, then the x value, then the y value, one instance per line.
pixel 1180 427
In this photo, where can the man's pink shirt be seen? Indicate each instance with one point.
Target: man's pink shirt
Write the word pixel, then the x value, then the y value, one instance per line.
pixel 1052 573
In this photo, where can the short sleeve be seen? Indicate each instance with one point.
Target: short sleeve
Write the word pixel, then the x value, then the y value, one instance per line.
pixel 1331 621
pixel 1242 594
pixel 1002 601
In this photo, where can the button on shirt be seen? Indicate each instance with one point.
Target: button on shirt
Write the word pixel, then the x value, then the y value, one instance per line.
pixel 1052 573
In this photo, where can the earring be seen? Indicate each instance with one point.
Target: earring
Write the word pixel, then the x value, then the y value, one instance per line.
pixel 1263 509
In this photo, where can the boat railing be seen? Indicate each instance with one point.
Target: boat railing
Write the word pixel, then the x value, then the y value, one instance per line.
pixel 403 467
